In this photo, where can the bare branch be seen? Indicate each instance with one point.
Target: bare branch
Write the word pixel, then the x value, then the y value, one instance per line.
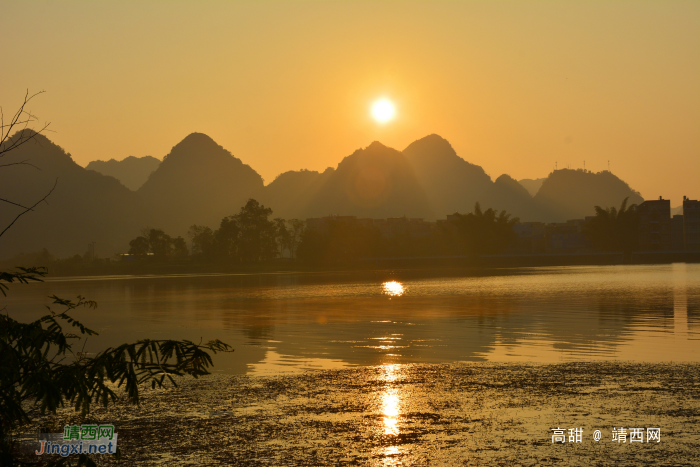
pixel 24 162
pixel 10 202
pixel 18 123
pixel 29 209
pixel 21 117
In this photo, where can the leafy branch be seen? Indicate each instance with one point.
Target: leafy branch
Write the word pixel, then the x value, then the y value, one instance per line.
pixel 40 371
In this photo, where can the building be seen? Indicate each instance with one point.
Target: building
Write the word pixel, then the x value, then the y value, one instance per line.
pixel 566 237
pixel 691 224
pixel 530 238
pixel 555 238
pixel 655 225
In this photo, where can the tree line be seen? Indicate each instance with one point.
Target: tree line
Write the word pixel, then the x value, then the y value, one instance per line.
pixel 247 237
pixel 253 236
pixel 478 232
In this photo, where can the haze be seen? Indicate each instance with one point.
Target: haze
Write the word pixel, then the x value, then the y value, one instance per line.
pixel 514 86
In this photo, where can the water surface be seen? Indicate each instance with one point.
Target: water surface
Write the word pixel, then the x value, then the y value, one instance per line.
pixel 297 321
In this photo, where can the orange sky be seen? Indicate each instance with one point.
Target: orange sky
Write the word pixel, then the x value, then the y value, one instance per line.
pixel 514 86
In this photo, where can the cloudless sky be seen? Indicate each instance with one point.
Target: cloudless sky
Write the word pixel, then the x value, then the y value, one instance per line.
pixel 514 86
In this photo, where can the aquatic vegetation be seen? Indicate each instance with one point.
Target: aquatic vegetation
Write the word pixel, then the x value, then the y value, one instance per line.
pixel 460 414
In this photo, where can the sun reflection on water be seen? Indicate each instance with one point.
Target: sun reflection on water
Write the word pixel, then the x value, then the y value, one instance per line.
pixel 393 288
pixel 391 411
pixel 390 401
pixel 390 408
pixel 390 452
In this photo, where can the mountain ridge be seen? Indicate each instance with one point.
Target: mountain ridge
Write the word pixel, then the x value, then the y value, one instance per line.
pixel 200 179
pixel 131 171
pixel 200 182
pixel 59 223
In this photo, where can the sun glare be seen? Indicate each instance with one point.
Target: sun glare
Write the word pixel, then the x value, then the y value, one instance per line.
pixel 393 288
pixel 383 110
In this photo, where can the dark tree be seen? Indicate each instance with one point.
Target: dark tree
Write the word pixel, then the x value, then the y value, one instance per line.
pixel 158 243
pixel 296 231
pixel 257 239
pixel 283 236
pixel 249 236
pixel 226 239
pixel 202 239
pixel 486 232
pixel 139 246
pixel 614 229
pixel 178 247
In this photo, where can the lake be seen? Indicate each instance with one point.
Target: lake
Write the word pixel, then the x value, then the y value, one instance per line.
pixel 289 322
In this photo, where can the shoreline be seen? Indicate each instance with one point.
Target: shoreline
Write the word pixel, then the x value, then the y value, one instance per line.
pixel 414 414
pixel 106 267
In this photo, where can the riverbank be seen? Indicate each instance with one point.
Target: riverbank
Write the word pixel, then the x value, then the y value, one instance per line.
pixel 187 265
pixel 457 414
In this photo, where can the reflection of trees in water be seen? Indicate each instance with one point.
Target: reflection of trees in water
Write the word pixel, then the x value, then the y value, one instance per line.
pixel 164 300
pixel 693 301
pixel 258 333
pixel 589 323
pixel 455 327
pixel 337 317
pixel 619 310
pixel 603 321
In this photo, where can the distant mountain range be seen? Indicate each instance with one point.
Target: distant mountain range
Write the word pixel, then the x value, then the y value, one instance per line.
pixel 132 171
pixel 84 207
pixel 532 185
pixel 199 182
pixel 375 182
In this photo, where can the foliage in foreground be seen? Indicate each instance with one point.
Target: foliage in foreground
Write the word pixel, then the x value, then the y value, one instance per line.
pixel 40 372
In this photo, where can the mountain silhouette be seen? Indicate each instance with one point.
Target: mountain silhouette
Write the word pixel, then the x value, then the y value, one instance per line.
pixel 291 193
pixel 376 182
pixel 509 195
pixel 570 194
pixel 198 182
pixel 450 183
pixel 84 207
pixel 132 171
pixel 532 185
pixel 454 185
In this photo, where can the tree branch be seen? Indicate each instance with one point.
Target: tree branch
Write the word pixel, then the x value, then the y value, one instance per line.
pixel 24 162
pixel 17 120
pixel 15 204
pixel 30 208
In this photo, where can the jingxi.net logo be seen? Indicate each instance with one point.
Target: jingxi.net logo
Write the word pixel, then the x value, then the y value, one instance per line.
pixel 79 439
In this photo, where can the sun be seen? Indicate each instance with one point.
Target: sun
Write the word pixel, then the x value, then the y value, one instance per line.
pixel 383 110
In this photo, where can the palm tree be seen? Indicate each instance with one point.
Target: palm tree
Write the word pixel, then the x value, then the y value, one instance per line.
pixel 486 232
pixel 614 229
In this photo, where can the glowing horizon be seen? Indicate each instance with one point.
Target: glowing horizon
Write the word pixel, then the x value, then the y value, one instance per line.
pixel 515 87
